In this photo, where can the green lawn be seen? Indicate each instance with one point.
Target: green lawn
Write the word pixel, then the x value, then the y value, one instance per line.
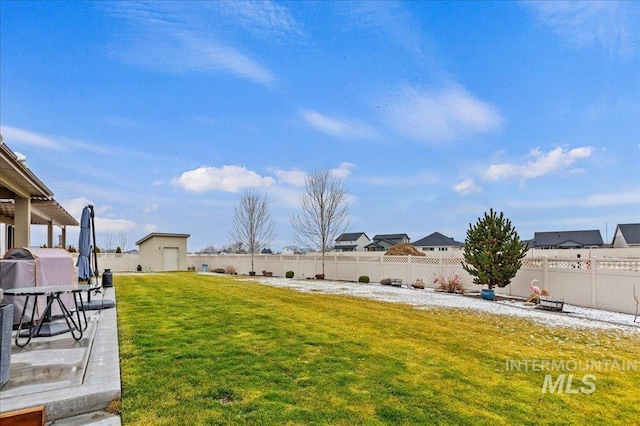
pixel 203 349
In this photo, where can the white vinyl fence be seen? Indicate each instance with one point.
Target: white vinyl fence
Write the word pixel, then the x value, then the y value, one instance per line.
pixel 603 283
pixel 589 280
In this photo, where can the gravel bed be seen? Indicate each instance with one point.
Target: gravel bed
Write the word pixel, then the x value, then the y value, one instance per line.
pixel 572 316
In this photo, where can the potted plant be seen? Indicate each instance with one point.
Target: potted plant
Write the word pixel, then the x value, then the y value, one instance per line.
pixel 493 252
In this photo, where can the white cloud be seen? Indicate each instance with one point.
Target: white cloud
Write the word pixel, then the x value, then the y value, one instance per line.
pixel 151 227
pixel 113 225
pixel 261 17
pixel 467 186
pixel 75 206
pixel 150 208
pixel 343 171
pixel 612 25
pixel 393 22
pixel 336 127
pixel 21 136
pixel 165 37
pixel 18 136
pixel 446 115
pixel 227 178
pixel 298 177
pixel 539 164
pixel 291 177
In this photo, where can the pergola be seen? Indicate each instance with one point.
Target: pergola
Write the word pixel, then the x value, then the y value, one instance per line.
pixel 26 201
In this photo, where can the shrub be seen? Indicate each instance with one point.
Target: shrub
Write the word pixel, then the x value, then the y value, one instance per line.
pixel 385 281
pixel 493 251
pixel 289 274
pixel 219 270
pixel 319 276
pixel 450 283
pixel 267 273
pixel 363 279
pixel 231 270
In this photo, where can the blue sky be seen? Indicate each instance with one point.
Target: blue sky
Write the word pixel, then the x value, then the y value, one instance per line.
pixel 160 114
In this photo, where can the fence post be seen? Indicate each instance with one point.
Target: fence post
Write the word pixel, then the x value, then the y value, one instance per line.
pixel 545 272
pixel 594 281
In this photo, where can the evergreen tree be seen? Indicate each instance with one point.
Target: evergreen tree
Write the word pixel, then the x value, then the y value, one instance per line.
pixel 493 250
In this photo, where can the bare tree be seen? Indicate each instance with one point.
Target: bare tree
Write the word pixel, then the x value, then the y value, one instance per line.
pixel 324 212
pixel 122 236
pixel 108 240
pixel 252 224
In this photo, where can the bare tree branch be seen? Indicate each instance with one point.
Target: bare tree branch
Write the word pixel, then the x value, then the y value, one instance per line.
pixel 252 224
pixel 122 236
pixel 108 240
pixel 324 212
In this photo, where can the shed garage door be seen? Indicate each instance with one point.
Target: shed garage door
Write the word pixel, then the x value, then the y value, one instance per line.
pixel 170 259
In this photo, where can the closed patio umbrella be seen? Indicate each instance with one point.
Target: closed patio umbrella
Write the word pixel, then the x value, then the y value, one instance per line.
pixel 88 234
pixel 84 246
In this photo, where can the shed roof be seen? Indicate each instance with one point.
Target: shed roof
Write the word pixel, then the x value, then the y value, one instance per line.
pixel 160 234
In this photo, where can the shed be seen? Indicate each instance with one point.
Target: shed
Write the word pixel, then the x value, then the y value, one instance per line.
pixel 163 252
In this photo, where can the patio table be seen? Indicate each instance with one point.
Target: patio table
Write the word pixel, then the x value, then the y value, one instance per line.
pixel 53 294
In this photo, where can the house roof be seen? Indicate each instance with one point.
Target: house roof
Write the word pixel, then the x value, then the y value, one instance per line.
pixel 630 232
pixel 160 234
pixel 567 239
pixel 390 237
pixel 382 243
pixel 351 236
pixel 437 239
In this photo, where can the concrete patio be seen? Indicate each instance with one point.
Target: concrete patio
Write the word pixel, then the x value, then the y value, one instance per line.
pixel 76 381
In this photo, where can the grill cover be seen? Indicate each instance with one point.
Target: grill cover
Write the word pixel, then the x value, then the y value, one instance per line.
pixel 31 267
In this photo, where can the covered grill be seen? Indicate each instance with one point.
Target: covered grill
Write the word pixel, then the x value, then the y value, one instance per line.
pixel 32 267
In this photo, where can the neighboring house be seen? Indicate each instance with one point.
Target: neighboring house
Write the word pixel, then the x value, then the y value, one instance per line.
pixel 627 235
pixel 567 240
pixel 384 242
pixel 438 242
pixel 353 241
pixel 290 250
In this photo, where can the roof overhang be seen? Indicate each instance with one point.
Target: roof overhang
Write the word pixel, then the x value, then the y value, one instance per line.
pixel 16 177
pixel 43 212
pixel 16 180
